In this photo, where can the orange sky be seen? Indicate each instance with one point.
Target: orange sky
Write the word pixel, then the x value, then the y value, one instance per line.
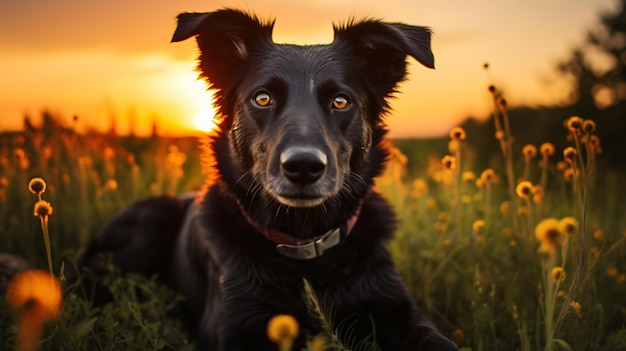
pixel 98 59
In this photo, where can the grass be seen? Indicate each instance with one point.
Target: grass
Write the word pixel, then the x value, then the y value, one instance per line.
pixel 527 254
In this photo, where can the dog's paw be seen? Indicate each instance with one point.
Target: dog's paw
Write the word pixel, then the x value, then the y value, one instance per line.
pixel 436 343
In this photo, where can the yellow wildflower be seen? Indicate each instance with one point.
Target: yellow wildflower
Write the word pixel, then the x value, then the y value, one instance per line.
pixel 570 174
pixel 489 176
pixel 547 149
pixel 558 274
pixel 457 133
pixel 576 306
pixel 549 233
pixel 574 123
pixel 589 126
pixel 568 225
pixel 282 330
pixel 570 154
pixel 37 296
pixel 37 186
pixel 499 134
pixel 448 162
pixel 42 209
pixel 478 226
pixel 468 176
pixel 529 151
pixel 524 189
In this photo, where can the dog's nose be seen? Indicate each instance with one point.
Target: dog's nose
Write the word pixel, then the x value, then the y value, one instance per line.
pixel 303 165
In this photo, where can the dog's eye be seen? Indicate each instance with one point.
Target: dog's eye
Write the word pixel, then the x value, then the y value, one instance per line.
pixel 341 102
pixel 262 99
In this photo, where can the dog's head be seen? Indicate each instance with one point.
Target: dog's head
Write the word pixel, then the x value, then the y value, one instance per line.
pixel 302 120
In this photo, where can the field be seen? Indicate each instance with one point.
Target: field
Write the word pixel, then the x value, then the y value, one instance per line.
pixel 526 254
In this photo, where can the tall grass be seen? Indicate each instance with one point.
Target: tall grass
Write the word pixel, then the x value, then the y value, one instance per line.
pixel 525 255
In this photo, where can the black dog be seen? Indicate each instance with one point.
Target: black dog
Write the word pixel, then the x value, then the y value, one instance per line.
pixel 301 138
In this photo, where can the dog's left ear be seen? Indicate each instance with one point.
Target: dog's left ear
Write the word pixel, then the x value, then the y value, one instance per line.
pixel 381 49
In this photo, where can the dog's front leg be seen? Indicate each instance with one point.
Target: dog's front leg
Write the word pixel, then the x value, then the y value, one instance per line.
pixel 425 337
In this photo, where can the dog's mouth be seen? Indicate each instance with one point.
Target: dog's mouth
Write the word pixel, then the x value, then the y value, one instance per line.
pixel 299 199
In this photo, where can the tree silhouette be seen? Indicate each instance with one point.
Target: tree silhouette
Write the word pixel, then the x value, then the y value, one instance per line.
pixel 598 66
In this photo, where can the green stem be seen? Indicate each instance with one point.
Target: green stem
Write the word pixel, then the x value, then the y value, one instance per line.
pixel 46 238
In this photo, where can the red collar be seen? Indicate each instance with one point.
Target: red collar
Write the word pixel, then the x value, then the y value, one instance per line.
pixel 305 249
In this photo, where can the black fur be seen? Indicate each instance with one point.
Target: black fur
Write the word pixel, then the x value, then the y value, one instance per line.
pixel 301 138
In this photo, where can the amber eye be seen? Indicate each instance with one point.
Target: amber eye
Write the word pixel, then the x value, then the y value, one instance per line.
pixel 262 99
pixel 340 102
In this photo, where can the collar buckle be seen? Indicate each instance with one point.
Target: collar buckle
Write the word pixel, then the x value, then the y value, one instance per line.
pixel 309 249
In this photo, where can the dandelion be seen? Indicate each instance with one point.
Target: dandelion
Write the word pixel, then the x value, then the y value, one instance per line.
pixel 589 126
pixel 453 146
pixel 568 226
pixel 37 296
pixel 37 186
pixel 524 189
pixel 570 154
pixel 574 124
pixel 42 209
pixel 282 330
pixel 594 144
pixel 110 184
pixel 457 133
pixel 478 226
pixel 546 149
pixel 549 234
pixel 558 274
pixel 529 151
pixel 448 162
pixel 468 177
pixel 570 174
pixel 561 294
pixel 499 134
pixel 489 176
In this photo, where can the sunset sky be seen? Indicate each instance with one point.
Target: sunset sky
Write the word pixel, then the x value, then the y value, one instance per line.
pixel 97 59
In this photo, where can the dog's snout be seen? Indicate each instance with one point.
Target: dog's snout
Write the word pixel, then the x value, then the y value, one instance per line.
pixel 303 165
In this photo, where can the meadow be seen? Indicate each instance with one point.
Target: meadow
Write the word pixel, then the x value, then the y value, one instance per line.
pixel 525 254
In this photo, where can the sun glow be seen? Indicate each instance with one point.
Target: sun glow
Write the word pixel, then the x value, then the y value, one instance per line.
pixel 204 120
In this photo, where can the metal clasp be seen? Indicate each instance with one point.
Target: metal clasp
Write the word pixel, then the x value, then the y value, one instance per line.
pixel 309 249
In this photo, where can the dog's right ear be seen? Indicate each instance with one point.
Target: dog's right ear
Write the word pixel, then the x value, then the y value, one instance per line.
pixel 226 39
